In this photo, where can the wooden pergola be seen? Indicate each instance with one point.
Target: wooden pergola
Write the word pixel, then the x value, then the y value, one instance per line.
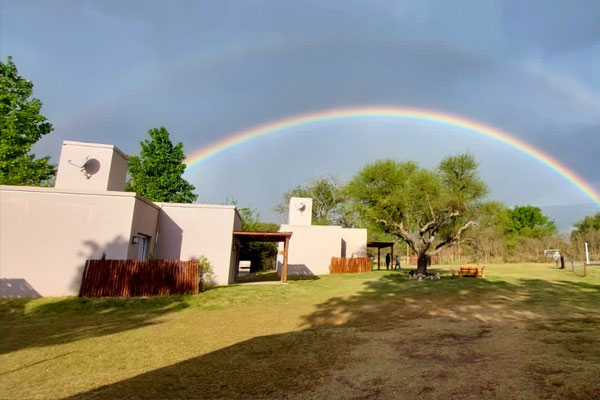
pixel 381 245
pixel 245 237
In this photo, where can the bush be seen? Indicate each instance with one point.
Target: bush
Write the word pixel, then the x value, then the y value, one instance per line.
pixel 205 272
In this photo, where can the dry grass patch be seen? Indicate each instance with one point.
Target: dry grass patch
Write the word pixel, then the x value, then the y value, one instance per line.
pixel 527 331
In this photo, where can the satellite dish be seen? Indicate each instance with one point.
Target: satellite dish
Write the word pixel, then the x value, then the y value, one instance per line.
pixel 90 167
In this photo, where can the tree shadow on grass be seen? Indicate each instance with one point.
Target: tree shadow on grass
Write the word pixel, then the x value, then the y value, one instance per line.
pixel 51 322
pixel 386 328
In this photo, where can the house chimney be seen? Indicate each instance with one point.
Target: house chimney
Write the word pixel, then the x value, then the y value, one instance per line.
pixel 91 166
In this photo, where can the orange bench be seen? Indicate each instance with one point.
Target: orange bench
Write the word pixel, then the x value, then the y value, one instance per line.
pixel 471 270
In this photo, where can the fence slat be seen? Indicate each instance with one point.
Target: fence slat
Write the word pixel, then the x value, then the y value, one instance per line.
pixel 342 265
pixel 125 278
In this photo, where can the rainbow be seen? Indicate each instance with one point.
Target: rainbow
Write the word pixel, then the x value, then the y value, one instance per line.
pixel 388 111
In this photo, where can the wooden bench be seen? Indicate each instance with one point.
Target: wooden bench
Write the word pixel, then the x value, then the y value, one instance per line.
pixel 471 270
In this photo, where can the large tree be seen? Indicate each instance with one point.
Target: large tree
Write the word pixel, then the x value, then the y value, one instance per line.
pixel 428 209
pixel 21 126
pixel 156 172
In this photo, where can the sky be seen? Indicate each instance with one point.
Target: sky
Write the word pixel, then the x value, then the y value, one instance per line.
pixel 108 71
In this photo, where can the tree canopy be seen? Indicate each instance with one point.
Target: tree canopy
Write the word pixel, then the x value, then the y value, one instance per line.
pixel 529 221
pixel 21 126
pixel 156 172
pixel 588 224
pixel 428 209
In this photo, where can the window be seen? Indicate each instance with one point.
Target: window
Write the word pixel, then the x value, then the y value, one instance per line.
pixel 142 247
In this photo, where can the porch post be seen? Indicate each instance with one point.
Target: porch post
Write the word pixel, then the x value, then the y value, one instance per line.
pixel 285 260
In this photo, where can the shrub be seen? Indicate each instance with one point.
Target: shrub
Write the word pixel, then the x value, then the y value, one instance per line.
pixel 205 272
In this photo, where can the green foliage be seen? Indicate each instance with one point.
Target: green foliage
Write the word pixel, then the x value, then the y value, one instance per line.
pixel 156 172
pixel 260 254
pixel 587 231
pixel 21 126
pixel 460 178
pixel 487 239
pixel 205 272
pixel 328 203
pixel 428 209
pixel 528 221
pixel 588 224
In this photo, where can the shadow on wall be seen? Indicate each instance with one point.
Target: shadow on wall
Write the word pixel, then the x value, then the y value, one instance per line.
pixel 16 288
pixel 116 249
pixel 169 239
pixel 389 316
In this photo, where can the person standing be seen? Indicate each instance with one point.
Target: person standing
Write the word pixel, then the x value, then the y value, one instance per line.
pixel 388 261
pixel 398 263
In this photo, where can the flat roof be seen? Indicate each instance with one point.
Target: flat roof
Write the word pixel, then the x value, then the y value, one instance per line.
pixel 262 236
pixel 52 190
pixel 97 145
pixel 380 244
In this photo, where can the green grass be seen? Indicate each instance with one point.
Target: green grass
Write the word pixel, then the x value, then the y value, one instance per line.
pixel 526 331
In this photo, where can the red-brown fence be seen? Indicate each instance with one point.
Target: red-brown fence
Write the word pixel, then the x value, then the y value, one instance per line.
pixel 349 265
pixel 125 278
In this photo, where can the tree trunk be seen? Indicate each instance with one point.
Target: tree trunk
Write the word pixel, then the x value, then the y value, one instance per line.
pixel 423 261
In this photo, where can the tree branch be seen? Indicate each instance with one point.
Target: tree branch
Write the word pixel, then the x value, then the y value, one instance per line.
pixel 454 238
pixel 400 230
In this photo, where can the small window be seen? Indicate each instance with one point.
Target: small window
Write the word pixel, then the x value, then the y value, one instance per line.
pixel 142 247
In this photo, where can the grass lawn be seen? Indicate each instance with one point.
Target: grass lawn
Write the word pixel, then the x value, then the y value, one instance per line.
pixel 526 331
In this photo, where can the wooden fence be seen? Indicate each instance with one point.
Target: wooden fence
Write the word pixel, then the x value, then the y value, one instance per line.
pixel 125 278
pixel 349 265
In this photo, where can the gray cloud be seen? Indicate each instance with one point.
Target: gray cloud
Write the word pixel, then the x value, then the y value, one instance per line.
pixel 208 69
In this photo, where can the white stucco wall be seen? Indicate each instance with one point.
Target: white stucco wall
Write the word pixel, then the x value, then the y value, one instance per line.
pixel 354 242
pixel 144 223
pixel 46 234
pixel 188 231
pixel 111 175
pixel 300 211
pixel 311 249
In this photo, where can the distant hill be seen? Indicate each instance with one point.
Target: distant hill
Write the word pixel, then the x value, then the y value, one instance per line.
pixel 566 215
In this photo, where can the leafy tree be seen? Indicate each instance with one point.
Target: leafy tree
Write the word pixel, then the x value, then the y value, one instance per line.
pixel 528 221
pixel 21 126
pixel 487 238
pixel 156 172
pixel 428 209
pixel 587 224
pixel 327 201
pixel 587 231
pixel 260 254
